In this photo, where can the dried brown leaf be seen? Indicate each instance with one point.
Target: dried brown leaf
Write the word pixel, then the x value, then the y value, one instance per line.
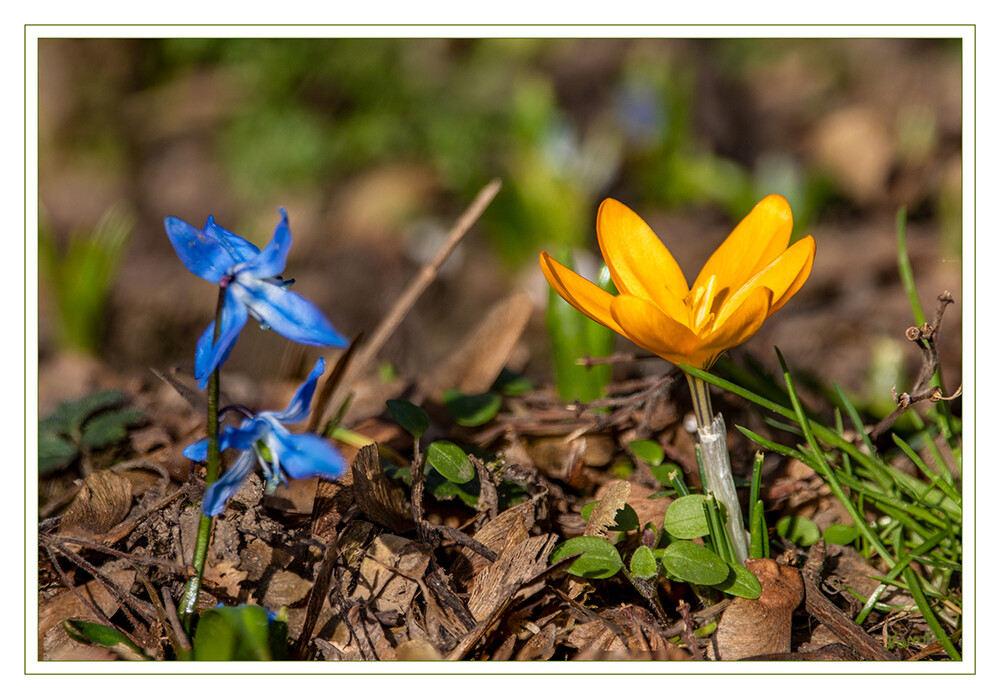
pixel 761 626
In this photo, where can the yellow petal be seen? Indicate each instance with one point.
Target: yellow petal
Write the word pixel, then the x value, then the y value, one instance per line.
pixel 647 326
pixel 742 323
pixel 639 263
pixel 784 276
pixel 585 296
pixel 806 248
pixel 753 244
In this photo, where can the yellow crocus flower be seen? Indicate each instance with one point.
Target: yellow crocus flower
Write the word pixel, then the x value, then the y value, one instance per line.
pixel 750 276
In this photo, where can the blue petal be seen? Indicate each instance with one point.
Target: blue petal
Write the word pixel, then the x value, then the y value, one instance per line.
pixel 288 314
pixel 242 437
pixel 299 407
pixel 219 492
pixel 271 261
pixel 197 451
pixel 241 250
pixel 308 455
pixel 208 356
pixel 201 251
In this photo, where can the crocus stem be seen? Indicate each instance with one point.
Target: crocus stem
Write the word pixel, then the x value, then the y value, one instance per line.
pixel 189 602
pixel 715 458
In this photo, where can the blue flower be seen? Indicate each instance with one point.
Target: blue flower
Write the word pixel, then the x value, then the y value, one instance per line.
pixel 252 288
pixel 281 454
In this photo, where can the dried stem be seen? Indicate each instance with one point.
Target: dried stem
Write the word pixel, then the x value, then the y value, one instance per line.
pixel 409 297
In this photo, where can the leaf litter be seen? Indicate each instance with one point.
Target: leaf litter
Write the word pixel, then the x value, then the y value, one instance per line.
pixel 389 564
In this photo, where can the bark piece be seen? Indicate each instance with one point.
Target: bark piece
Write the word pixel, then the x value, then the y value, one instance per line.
pixel 761 626
pixel 381 500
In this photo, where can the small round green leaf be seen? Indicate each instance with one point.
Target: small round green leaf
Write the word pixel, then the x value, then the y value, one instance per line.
pixel 643 563
pixel 410 417
pixel 472 411
pixel 692 563
pixel 685 518
pixel 741 583
pixel 842 534
pixel 661 472
pixel 647 450
pixel 798 530
pixel 598 558
pixel 450 461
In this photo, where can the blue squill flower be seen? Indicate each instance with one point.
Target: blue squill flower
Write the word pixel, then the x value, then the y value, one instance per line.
pixel 252 288
pixel 264 439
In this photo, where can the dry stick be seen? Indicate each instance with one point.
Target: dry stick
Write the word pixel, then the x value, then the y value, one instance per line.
pixel 925 337
pixel 832 616
pixel 409 297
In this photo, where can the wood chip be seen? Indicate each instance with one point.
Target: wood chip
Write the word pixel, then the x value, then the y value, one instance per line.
pixel 381 500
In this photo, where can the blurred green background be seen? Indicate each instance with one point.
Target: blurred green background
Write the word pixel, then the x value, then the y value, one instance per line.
pixel 375 145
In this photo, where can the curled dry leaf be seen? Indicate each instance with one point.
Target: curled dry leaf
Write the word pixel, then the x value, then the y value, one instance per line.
pixel 604 513
pixel 761 626
pixel 103 501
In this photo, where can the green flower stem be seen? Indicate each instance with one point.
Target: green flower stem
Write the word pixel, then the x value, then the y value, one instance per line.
pixel 718 472
pixel 189 602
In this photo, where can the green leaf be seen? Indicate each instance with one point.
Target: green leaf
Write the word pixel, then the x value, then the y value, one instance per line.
pixel 110 427
pixel 444 489
pixel 54 452
pixel 626 519
pixel 843 534
pixel 510 384
pixel 450 461
pixel 661 472
pixel 233 633
pixel 798 530
pixel 643 563
pixel 685 518
pixel 100 635
pixel 692 563
pixel 740 582
pixel 598 559
pixel 647 450
pixel 410 417
pixel 474 410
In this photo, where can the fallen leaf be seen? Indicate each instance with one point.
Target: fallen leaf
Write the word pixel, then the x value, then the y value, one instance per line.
pixel 761 626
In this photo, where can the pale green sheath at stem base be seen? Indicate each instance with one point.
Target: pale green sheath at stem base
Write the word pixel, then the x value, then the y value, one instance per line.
pixel 718 471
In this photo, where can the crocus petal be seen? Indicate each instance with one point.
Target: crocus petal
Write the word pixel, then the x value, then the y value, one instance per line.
pixel 648 327
pixel 799 256
pixel 210 355
pixel 738 327
pixel 308 455
pixel 784 276
pixel 201 251
pixel 639 262
pixel 583 295
pixel 299 407
pixel 271 260
pixel 759 238
pixel 287 313
pixel 241 250
pixel 217 494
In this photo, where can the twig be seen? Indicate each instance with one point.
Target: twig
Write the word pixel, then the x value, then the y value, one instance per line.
pixel 831 616
pixel 925 337
pixel 684 609
pixel 409 297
